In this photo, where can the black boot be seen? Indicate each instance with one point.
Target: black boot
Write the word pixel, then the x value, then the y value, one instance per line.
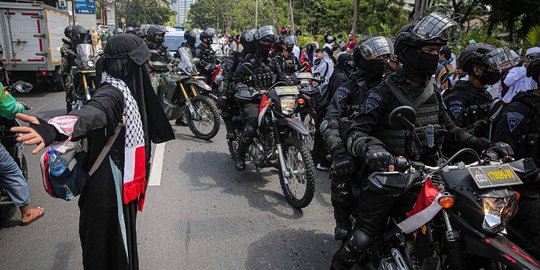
pixel 231 132
pixel 343 223
pixel 241 154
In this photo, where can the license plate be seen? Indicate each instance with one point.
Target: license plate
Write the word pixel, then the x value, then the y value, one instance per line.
pixel 286 90
pixel 494 176
pixel 304 75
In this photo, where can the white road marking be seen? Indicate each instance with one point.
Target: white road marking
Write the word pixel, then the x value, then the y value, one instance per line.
pixel 157 165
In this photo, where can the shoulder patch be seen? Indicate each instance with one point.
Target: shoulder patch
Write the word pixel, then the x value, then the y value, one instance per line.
pixel 372 101
pixel 342 93
pixel 513 118
pixel 456 107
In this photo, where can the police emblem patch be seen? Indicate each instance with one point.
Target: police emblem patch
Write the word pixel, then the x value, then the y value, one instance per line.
pixel 513 118
pixel 371 104
pixel 456 110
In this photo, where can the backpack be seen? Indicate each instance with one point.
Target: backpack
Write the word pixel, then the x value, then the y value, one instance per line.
pixel 71 182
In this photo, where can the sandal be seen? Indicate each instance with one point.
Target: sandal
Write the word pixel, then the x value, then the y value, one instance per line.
pixel 41 212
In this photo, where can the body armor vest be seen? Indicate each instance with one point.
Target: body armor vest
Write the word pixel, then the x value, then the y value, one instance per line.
pixel 262 76
pixel 530 142
pixel 424 143
pixel 289 66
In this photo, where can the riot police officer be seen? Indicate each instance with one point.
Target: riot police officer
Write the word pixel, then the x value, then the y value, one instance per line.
pixel 468 101
pixel 286 59
pixel 370 58
pixel 191 38
pixel 225 90
pixel 256 71
pixel 371 138
pixel 156 37
pixel 520 128
pixel 206 54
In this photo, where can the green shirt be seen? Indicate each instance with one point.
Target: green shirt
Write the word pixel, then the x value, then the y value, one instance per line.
pixel 8 105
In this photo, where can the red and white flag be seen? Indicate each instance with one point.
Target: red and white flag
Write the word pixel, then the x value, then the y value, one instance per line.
pixel 424 210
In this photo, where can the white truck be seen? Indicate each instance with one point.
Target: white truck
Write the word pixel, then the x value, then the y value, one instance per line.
pixel 30 41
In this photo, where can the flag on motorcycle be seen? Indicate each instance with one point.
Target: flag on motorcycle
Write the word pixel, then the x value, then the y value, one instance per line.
pixel 424 210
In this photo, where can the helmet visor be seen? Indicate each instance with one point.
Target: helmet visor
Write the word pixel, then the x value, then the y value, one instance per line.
pixel 437 25
pixel 267 32
pixel 500 58
pixel 375 47
pixel 290 40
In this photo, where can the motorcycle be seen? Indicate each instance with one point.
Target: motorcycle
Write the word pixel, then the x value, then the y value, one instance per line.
pixel 81 81
pixel 183 93
pixel 465 225
pixel 308 86
pixel 279 140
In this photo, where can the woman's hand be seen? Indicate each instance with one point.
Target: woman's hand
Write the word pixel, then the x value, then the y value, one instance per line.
pixel 29 135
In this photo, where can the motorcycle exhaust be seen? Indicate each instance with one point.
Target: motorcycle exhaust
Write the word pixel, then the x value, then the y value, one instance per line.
pixel 398 258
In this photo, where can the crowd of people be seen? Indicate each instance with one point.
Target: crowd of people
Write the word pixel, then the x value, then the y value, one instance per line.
pixel 363 81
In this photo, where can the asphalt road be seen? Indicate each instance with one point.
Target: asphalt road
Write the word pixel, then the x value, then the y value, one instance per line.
pixel 200 214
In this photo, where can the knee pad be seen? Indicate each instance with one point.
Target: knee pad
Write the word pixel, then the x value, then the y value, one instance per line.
pixel 249 131
pixel 358 242
pixel 340 193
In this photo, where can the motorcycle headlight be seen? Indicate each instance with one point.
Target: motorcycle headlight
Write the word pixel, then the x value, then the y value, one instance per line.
pixel 497 212
pixel 288 104
pixel 90 64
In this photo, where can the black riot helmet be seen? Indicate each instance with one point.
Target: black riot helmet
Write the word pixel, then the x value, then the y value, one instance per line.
pixel 68 31
pixel 248 40
pixel 266 37
pixel 140 32
pixel 433 29
pixel 130 30
pixel 190 36
pixel 207 34
pixel 78 34
pixel 156 34
pixel 418 63
pixel 289 42
pixel 267 33
pixel 481 54
pixel 117 31
pixel 371 54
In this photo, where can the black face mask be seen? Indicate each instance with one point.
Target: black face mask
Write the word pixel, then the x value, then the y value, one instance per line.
pixel 374 69
pixel 418 66
pixel 490 77
pixel 290 49
pixel 263 50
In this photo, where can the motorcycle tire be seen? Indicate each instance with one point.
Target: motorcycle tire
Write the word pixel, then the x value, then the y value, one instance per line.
pixel 205 102
pixel 308 172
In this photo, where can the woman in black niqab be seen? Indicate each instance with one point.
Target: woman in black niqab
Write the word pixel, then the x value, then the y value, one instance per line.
pixel 107 225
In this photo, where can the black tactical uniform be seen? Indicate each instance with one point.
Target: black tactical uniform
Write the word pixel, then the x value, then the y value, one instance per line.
pixel 156 37
pixel 520 128
pixel 347 101
pixel 289 64
pixel 372 139
pixel 468 104
pixel 256 71
pixel 225 90
pixel 206 55
pixel 469 107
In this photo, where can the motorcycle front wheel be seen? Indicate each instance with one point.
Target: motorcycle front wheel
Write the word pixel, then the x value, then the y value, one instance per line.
pixel 300 187
pixel 206 121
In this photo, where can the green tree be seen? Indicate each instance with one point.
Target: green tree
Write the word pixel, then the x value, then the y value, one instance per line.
pixel 139 12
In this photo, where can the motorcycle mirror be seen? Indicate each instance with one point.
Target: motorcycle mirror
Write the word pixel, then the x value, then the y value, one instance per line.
pixel 495 109
pixel 402 117
pixel 23 87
